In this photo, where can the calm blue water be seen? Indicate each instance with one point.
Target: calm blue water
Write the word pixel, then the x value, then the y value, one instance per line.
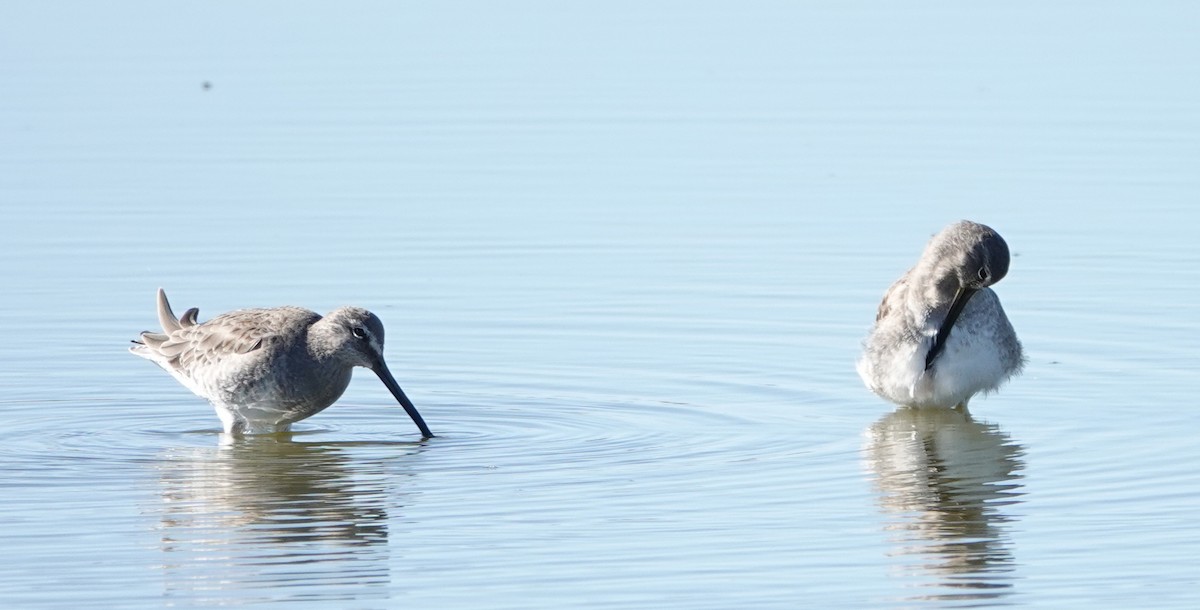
pixel 626 255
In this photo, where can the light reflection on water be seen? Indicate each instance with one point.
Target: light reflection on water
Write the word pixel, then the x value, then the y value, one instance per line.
pixel 253 519
pixel 942 479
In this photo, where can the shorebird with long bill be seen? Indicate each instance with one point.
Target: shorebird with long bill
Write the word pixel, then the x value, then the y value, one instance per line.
pixel 941 336
pixel 265 369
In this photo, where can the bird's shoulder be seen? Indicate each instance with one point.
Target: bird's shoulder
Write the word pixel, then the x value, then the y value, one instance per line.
pixel 893 299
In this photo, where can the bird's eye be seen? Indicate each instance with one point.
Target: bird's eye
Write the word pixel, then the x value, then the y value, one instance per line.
pixel 359 332
pixel 983 274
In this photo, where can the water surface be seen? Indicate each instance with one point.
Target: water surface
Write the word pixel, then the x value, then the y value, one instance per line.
pixel 625 255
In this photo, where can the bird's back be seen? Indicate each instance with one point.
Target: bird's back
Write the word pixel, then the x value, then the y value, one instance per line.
pixel 229 354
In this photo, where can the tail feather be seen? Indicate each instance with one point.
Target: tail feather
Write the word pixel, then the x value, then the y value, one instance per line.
pixel 161 349
pixel 154 341
pixel 166 317
pixel 164 347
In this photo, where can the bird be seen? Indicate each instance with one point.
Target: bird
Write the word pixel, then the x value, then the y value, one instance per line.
pixel 265 369
pixel 940 335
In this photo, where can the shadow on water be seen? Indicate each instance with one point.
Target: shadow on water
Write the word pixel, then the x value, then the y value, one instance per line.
pixel 269 518
pixel 943 479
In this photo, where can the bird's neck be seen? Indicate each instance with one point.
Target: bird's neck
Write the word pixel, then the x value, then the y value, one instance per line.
pixel 322 344
pixel 933 288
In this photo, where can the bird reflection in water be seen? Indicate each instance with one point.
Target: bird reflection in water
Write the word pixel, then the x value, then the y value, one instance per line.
pixel 267 518
pixel 945 479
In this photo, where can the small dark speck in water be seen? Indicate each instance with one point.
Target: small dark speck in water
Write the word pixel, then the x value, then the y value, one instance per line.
pixel 206 85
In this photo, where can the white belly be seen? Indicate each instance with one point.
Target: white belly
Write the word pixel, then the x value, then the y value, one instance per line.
pixel 976 358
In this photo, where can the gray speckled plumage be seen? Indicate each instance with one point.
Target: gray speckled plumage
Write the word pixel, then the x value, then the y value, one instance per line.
pixel 265 369
pixel 941 335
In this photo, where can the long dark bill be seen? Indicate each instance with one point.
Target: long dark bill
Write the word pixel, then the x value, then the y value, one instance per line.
pixel 956 306
pixel 385 376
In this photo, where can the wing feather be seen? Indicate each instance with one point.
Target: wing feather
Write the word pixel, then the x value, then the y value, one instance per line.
pixel 892 298
pixel 189 317
pixel 166 317
pixel 233 334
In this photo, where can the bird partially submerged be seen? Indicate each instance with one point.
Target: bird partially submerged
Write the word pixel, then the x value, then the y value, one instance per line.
pixel 941 335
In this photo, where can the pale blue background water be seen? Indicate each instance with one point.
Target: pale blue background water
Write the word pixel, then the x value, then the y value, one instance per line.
pixel 626 253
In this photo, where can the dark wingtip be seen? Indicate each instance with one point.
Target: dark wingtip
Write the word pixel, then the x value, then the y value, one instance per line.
pixel 189 317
